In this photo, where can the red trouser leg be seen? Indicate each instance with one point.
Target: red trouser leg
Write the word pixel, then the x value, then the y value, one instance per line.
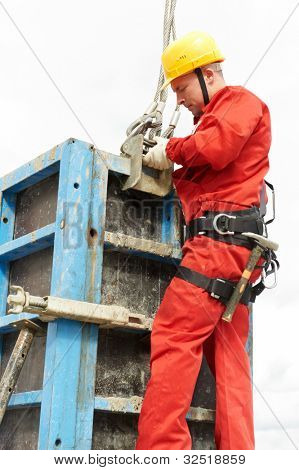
pixel 185 320
pixel 229 362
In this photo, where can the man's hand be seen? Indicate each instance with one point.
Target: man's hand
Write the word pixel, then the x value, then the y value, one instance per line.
pixel 156 157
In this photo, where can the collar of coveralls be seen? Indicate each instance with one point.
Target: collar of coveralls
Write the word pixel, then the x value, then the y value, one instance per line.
pixel 215 97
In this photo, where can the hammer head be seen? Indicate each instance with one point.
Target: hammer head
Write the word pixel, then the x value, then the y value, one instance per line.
pixel 263 241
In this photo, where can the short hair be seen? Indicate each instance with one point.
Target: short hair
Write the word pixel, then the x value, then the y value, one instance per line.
pixel 215 66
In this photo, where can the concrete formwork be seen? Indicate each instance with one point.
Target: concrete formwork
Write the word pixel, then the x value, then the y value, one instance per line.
pixel 68 230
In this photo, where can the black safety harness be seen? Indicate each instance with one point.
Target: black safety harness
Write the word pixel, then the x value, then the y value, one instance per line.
pixel 228 227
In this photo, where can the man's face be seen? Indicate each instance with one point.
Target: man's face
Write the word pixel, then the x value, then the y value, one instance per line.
pixel 188 92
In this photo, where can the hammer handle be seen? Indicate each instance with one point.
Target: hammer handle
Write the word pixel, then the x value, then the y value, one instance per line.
pixel 241 286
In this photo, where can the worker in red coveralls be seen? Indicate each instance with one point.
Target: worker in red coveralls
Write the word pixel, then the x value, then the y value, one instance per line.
pixel 220 182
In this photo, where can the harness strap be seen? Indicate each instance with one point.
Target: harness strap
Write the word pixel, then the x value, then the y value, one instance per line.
pixel 218 288
pixel 228 226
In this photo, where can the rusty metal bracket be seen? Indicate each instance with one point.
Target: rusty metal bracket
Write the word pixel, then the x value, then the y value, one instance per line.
pixel 25 323
pixel 143 178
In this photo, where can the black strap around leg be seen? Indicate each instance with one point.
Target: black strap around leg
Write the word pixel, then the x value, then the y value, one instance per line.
pixel 218 288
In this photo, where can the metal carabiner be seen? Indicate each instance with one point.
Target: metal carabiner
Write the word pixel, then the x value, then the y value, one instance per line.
pixel 264 275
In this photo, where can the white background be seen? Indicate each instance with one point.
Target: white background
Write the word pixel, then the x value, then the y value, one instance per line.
pixel 105 58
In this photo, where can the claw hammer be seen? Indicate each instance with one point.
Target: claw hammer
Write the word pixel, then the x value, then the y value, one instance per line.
pixel 261 244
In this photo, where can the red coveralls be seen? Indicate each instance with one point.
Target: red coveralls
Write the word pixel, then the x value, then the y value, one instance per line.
pixel 223 167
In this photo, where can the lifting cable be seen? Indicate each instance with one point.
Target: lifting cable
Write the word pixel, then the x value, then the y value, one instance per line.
pixel 150 123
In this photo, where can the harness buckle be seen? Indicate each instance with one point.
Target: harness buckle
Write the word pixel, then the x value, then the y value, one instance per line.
pixel 224 223
pixel 212 294
pixel 204 231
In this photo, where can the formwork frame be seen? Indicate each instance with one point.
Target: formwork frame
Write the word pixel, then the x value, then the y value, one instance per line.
pixel 67 399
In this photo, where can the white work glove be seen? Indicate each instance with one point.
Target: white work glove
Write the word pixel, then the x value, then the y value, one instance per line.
pixel 156 157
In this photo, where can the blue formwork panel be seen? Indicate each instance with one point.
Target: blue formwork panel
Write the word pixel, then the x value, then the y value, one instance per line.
pixel 14 248
pixel 67 405
pixel 66 398
pixel 72 398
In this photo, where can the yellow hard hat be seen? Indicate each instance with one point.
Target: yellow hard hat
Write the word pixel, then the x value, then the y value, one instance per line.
pixel 187 53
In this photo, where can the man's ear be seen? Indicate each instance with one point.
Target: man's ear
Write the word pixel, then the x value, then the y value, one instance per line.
pixel 209 75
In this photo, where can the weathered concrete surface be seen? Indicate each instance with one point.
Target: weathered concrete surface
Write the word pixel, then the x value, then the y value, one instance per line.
pixel 36 206
pixel 19 429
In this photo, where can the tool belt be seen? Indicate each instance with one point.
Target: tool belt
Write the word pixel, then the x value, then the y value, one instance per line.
pixel 219 288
